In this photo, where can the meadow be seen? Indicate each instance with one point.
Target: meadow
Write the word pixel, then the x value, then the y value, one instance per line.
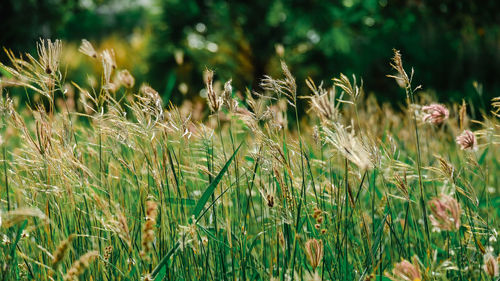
pixel 103 181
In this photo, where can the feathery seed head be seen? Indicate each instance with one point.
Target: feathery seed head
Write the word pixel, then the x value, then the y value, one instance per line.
pixel 108 64
pixel 397 64
pixel 61 251
pixel 284 87
pixel 148 234
pixel 406 271
pixel 314 252
pixel 323 102
pixel 349 145
pixel 353 89
pixel 126 79
pixel 214 100
pixel 86 48
pixel 446 213
pixel 151 103
pixel 229 101
pixel 80 265
pixel 49 54
pixel 490 265
pixel 446 168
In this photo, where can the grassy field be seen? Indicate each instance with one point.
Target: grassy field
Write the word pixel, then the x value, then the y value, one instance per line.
pixel 103 181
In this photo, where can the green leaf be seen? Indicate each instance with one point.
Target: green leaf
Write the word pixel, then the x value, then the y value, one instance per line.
pixel 165 259
pixel 184 201
pixel 483 156
pixel 381 277
pixel 16 241
pixel 197 210
pixel 169 87
pixel 161 274
pixel 211 188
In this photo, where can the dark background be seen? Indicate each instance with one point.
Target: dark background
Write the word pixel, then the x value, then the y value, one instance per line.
pixel 449 43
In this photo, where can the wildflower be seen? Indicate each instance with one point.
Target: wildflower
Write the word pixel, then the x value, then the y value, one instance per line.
pixel 435 113
pixel 405 271
pixel 314 252
pixel 467 140
pixel 445 213
pixel 490 265
pixel 86 48
pixel 49 54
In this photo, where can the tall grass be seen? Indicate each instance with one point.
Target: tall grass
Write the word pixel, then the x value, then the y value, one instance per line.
pixel 108 183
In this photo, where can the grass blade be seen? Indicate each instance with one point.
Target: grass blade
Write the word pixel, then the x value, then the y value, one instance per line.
pixel 197 210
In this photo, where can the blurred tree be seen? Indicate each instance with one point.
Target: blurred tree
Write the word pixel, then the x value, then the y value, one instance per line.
pixel 27 20
pixel 24 21
pixel 101 21
pixel 449 43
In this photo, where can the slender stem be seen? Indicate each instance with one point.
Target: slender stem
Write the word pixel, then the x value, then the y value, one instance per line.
pixel 303 191
pixel 346 218
pixel 6 177
pixel 419 165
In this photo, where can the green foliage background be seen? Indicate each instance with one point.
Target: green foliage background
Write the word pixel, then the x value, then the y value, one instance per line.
pixel 449 43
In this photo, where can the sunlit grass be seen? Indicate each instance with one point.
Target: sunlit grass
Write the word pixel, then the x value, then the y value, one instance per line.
pixel 102 181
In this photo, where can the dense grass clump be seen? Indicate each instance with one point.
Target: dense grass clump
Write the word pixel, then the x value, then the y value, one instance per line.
pixel 103 182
